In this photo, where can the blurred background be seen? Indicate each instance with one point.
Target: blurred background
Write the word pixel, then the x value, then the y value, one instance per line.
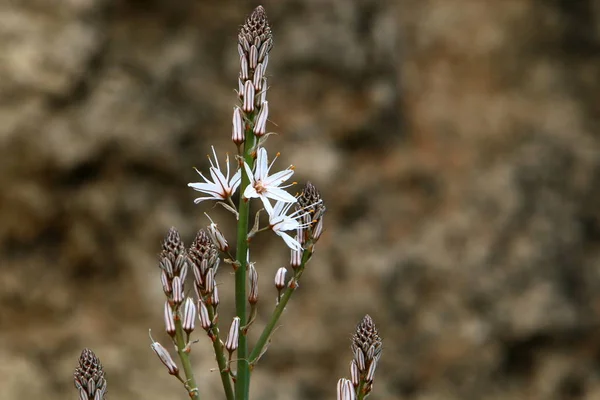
pixel 456 144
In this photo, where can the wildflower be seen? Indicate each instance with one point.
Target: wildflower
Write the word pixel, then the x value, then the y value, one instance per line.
pixel 279 222
pixel 221 187
pixel 265 186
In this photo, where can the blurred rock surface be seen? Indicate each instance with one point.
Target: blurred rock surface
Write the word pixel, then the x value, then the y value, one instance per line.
pixel 456 143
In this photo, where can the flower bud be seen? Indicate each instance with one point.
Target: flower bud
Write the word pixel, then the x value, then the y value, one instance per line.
pixel 280 278
pixel 165 358
pixel 345 390
pixel 248 105
pixel 169 320
pixel 260 124
pixel 237 133
pixel 203 316
pixel 177 290
pixel 231 343
pixel 189 316
pixel 253 278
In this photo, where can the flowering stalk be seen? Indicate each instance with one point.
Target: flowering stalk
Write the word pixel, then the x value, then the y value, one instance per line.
pixel 254 43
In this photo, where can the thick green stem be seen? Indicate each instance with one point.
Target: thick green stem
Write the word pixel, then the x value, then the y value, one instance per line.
pixel 220 355
pixel 242 384
pixel 184 356
pixel 265 336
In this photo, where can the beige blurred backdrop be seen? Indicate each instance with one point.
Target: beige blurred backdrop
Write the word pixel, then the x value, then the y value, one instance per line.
pixel 456 144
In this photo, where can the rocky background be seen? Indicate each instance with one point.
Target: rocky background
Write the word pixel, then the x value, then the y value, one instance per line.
pixel 456 143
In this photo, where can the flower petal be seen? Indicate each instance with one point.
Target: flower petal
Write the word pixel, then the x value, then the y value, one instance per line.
pixel 280 195
pixel 262 168
pixel 278 178
pixel 290 241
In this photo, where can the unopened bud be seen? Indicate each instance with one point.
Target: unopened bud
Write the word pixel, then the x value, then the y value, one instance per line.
pixel 203 316
pixel 253 57
pixel 217 236
pixel 345 390
pixel 189 316
pixel 165 358
pixel 169 320
pixel 248 105
pixel 243 67
pixel 177 290
pixel 260 124
pixel 371 371
pixel 231 343
pixel 354 373
pixel 210 280
pixel 262 94
pixel 257 79
pixel 214 297
pixel 237 133
pixel 296 258
pixel 280 278
pixel 253 278
pixel 166 283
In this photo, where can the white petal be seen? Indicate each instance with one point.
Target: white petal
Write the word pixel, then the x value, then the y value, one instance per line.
pixel 267 204
pixel 236 179
pixel 291 242
pixel 250 192
pixel 278 178
pixel 280 194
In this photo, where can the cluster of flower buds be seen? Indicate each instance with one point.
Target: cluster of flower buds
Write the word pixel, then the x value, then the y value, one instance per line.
pixel 89 377
pixel 254 43
pixel 203 256
pixel 367 347
pixel 173 263
pixel 312 211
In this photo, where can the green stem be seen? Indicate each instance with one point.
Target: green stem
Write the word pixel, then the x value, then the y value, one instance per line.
pixel 242 384
pixel 360 394
pixel 263 340
pixel 220 355
pixel 184 356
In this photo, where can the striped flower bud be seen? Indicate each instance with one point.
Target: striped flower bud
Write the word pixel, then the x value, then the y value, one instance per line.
pixel 280 278
pixel 260 124
pixel 214 297
pixel 345 390
pixel 89 377
pixel 231 343
pixel 237 133
pixel 296 258
pixel 189 316
pixel 165 358
pixel 217 236
pixel 248 104
pixel 177 290
pixel 253 278
pixel 354 373
pixel 203 316
pixel 169 320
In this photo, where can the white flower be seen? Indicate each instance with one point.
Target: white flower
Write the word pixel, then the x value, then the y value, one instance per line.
pixel 279 222
pixel 265 186
pixel 221 187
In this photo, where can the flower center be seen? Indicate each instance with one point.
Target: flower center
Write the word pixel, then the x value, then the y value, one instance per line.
pixel 259 187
